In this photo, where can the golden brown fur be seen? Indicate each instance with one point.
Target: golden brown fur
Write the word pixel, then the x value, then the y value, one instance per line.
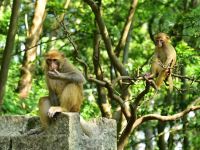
pixel 65 85
pixel 163 61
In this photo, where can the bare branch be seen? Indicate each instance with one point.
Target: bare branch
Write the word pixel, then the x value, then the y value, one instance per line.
pixel 122 78
pixel 145 118
pixel 102 101
pixel 99 82
pixel 40 43
pixel 127 27
pixel 185 77
pixel 112 95
pixel 106 38
pixel 127 131
pixel 114 60
pixel 139 121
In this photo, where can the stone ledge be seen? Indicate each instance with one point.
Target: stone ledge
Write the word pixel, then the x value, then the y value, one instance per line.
pixel 66 132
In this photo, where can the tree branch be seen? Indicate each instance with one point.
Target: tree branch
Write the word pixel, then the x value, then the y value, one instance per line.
pixel 126 28
pixel 114 60
pixel 140 120
pixel 102 98
pixel 127 131
pixel 145 118
pixel 106 38
pixel 184 77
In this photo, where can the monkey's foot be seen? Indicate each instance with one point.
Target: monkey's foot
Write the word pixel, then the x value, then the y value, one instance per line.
pixel 53 110
pixel 148 76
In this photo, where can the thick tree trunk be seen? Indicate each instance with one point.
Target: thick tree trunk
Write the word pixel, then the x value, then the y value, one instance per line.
pixel 7 54
pixel 161 138
pixel 126 48
pixel 148 137
pixel 186 143
pixel 170 141
pixel 102 99
pixel 25 82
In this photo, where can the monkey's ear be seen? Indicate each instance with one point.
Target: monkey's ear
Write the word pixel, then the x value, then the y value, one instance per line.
pixel 167 37
pixel 62 54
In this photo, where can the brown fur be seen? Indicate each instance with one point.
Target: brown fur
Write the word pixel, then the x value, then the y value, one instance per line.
pixel 164 60
pixel 65 84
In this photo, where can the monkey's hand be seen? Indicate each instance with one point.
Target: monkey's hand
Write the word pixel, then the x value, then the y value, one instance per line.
pixel 53 110
pixel 69 76
pixel 148 76
pixel 54 74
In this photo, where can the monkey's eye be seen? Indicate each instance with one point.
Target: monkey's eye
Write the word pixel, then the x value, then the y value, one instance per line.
pixel 48 61
pixel 159 41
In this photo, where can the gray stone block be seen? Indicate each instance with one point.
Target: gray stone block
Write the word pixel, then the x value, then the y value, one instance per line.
pixel 66 132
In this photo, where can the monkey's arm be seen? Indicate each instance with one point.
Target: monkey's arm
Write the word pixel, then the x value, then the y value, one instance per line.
pixel 72 76
pixel 171 57
pixel 168 62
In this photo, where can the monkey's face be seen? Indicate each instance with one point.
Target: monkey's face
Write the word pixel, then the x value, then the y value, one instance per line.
pixel 52 64
pixel 161 39
pixel 54 60
pixel 159 42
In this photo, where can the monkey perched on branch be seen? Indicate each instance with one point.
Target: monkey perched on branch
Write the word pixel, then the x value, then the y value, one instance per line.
pixel 65 85
pixel 163 61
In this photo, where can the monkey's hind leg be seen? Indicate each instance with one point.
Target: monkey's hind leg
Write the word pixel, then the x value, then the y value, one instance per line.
pixel 71 98
pixel 160 79
pixel 44 105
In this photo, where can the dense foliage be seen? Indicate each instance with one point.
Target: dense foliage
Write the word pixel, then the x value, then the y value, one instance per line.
pixel 178 18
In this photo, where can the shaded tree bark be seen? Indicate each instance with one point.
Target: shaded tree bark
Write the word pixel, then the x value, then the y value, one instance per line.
pixel 170 140
pixel 107 41
pixel 161 140
pixel 183 103
pixel 132 125
pixel 127 27
pixel 129 127
pixel 148 137
pixel 161 125
pixel 7 54
pixel 27 69
pixel 126 47
pixel 102 99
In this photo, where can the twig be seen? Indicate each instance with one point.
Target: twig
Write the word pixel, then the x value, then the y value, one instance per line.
pixel 185 77
pixel 38 45
pixel 149 117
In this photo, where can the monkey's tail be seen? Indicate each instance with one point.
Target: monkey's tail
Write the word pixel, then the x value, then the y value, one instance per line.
pixel 170 82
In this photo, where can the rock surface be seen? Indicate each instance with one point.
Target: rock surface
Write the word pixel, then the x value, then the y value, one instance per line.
pixel 66 132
